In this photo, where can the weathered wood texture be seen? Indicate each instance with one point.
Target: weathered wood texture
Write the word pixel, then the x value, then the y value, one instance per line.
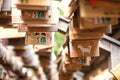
pixel 113 46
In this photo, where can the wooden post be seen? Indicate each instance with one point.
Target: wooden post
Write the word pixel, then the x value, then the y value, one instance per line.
pixel 115 55
pixel 45 63
pixel 113 46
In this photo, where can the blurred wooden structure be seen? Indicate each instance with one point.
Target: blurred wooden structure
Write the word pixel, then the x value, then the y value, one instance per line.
pixel 89 23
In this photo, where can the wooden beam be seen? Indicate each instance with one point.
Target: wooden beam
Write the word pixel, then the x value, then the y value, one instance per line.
pixel 40 48
pixel 107 41
pixel 113 46
pixel 64 19
pixel 115 55
pixel 32 7
pixel 20 41
pixel 6 6
pixel 112 40
pixel 83 36
pixel 54 18
pixel 39 2
pixel 104 45
pixel 21 47
pixel 44 53
pixel 43 29
pixel 63 24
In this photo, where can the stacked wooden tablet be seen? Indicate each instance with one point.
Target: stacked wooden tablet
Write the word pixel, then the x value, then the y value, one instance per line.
pixel 38 18
pixel 90 20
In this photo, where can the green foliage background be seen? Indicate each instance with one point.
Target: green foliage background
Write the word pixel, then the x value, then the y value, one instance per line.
pixel 59 40
pixel 59 37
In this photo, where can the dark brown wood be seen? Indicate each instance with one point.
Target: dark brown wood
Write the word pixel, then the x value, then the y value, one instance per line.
pixel 43 29
pixel 44 53
pixel 116 35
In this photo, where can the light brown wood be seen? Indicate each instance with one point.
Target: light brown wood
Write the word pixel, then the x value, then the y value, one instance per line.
pixel 33 15
pixel 91 23
pixel 76 33
pixel 43 47
pixel 86 10
pixel 75 65
pixel 1 2
pixel 104 29
pixel 116 71
pixel 41 38
pixel 83 36
pixel 39 2
pixel 54 18
pixel 11 33
pixel 31 2
pixel 84 48
pixel 32 7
